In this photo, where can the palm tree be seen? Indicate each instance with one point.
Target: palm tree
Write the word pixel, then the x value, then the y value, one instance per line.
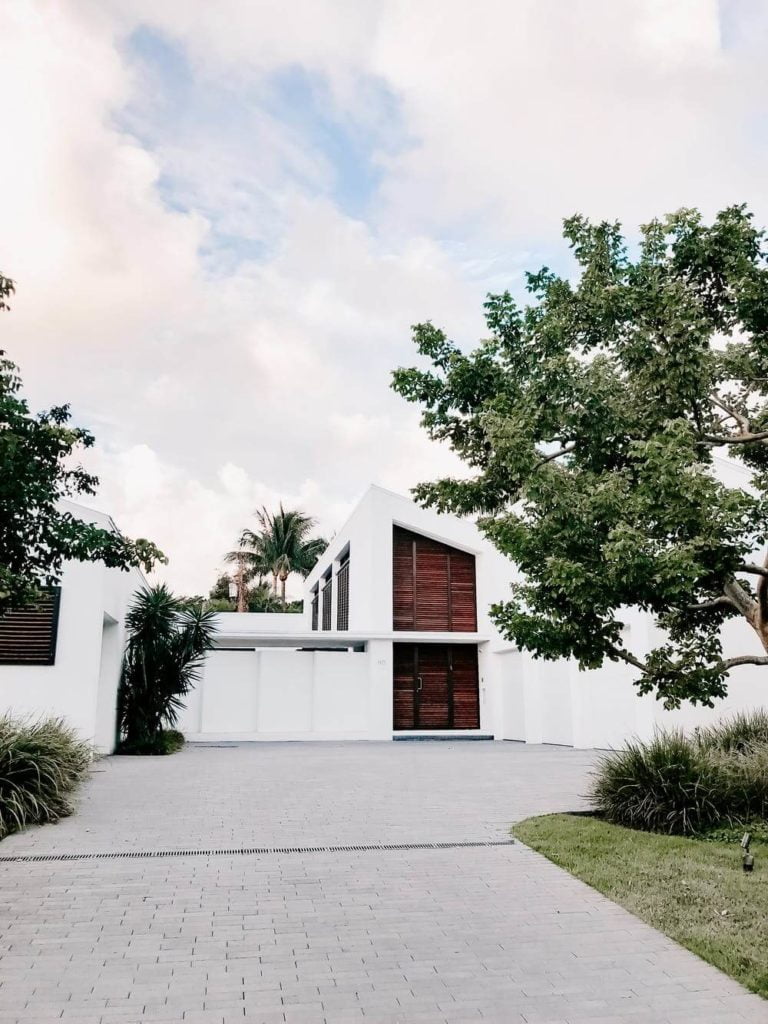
pixel 280 547
pixel 164 653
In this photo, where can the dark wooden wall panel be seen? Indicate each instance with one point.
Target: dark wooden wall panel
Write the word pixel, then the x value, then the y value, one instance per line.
pixel 28 635
pixel 465 685
pixel 403 690
pixel 402 580
pixel 433 585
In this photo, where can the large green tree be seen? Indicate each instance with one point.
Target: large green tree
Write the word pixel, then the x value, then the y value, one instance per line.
pixel 37 535
pixel 590 419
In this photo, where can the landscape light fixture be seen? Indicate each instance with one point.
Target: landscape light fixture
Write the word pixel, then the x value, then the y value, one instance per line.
pixel 747 858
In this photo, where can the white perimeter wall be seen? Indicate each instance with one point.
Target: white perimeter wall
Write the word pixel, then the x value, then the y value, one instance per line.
pixel 284 694
pixel 81 686
pixel 553 702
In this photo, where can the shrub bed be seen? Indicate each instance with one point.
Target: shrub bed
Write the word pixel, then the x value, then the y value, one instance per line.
pixel 167 741
pixel 686 786
pixel 41 763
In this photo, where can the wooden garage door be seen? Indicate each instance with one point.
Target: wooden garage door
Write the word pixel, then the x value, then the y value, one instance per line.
pixel 435 686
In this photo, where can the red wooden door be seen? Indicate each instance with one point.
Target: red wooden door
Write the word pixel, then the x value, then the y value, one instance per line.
pixel 435 686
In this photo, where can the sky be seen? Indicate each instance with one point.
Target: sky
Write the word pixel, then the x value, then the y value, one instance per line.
pixel 223 218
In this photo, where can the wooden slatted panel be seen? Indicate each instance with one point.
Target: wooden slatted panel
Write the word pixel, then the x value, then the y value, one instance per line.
pixel 28 635
pixel 432 604
pixel 403 686
pixel 315 609
pixel 402 579
pixel 342 597
pixel 433 585
pixel 463 592
pixel 464 677
pixel 433 703
pixel 327 602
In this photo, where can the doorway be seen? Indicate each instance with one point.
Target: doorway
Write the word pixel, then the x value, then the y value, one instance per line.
pixel 435 686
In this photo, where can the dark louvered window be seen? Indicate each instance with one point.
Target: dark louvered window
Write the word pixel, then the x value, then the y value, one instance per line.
pixel 342 595
pixel 327 602
pixel 433 586
pixel 28 635
pixel 315 608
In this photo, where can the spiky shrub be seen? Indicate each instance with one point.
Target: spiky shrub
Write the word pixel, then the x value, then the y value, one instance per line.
pixel 685 786
pixel 665 785
pixel 41 763
pixel 164 654
pixel 740 732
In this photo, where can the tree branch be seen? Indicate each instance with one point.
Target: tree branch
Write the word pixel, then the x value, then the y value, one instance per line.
pixel 756 570
pixel 555 455
pixel 740 418
pixel 716 602
pixel 745 659
pixel 630 659
pixel 714 441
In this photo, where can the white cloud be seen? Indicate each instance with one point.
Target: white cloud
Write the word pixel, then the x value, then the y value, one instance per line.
pixel 217 381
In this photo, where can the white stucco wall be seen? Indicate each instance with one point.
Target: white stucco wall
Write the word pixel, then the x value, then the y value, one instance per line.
pixel 285 694
pixel 81 685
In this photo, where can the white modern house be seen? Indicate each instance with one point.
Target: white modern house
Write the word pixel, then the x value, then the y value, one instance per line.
pixel 63 657
pixel 396 642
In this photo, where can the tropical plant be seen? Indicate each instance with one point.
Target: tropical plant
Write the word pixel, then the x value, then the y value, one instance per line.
pixel 261 598
pixel 682 785
pixel 165 648
pixel 740 732
pixel 37 535
pixel 590 420
pixel 281 546
pixel 41 763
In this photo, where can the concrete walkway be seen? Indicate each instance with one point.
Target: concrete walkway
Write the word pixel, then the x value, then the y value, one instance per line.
pixel 461 933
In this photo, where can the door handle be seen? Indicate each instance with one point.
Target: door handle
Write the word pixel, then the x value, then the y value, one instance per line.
pixel 420 684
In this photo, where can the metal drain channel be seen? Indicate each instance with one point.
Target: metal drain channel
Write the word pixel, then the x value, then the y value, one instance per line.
pixel 246 851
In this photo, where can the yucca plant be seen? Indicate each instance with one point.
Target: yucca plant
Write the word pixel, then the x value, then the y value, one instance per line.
pixel 41 763
pixel 164 654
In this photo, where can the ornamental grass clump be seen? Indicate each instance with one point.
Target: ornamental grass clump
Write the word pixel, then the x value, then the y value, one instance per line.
pixel 687 786
pixel 739 733
pixel 41 764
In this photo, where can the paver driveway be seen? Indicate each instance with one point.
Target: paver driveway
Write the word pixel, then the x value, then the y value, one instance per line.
pixel 464 932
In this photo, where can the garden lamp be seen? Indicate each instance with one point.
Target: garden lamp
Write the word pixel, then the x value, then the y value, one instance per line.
pixel 747 858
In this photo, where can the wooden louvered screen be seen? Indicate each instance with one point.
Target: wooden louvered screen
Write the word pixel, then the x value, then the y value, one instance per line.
pixel 464 686
pixel 315 609
pixel 433 585
pixel 28 635
pixel 403 686
pixel 342 596
pixel 327 602
pixel 435 686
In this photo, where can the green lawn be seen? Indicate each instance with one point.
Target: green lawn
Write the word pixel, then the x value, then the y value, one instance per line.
pixel 693 891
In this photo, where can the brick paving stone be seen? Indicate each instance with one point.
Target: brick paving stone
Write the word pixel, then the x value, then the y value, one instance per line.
pixel 449 935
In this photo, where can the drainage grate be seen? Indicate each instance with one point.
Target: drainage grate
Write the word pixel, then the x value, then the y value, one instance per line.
pixel 246 851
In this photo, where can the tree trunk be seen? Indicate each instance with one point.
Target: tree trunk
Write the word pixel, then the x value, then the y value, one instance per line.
pixel 241 605
pixel 282 589
pixel 754 611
